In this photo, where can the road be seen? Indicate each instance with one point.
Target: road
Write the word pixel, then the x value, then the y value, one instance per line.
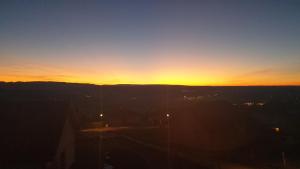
pixel 125 152
pixel 122 151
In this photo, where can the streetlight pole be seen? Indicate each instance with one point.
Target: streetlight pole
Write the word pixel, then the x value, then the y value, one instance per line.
pixel 283 158
pixel 101 116
pixel 100 163
pixel 168 141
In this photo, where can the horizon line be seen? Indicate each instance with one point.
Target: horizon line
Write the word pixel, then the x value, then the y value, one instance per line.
pixel 149 84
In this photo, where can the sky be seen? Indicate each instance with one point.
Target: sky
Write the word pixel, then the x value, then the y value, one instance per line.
pixel 205 42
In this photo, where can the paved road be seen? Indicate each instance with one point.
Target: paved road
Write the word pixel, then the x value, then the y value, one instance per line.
pixel 125 152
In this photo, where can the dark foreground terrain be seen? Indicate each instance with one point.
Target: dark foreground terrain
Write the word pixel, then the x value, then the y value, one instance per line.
pixel 166 126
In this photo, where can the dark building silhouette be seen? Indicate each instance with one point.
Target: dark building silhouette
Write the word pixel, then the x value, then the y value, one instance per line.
pixel 37 134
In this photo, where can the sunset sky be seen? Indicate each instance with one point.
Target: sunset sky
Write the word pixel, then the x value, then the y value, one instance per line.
pixel 151 42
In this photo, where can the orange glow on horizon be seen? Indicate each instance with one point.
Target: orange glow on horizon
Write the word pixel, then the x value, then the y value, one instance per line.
pixel 162 80
pixel 166 68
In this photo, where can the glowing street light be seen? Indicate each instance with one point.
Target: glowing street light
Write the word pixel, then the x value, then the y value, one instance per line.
pixel 100 162
pixel 276 129
pixel 283 158
pixel 168 141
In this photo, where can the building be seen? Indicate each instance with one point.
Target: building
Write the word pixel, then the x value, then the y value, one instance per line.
pixel 37 134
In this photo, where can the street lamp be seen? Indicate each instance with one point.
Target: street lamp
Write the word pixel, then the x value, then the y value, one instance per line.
pixel 100 162
pixel 277 131
pixel 168 141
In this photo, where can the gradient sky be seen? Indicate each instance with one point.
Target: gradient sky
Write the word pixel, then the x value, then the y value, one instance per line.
pixel 151 42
